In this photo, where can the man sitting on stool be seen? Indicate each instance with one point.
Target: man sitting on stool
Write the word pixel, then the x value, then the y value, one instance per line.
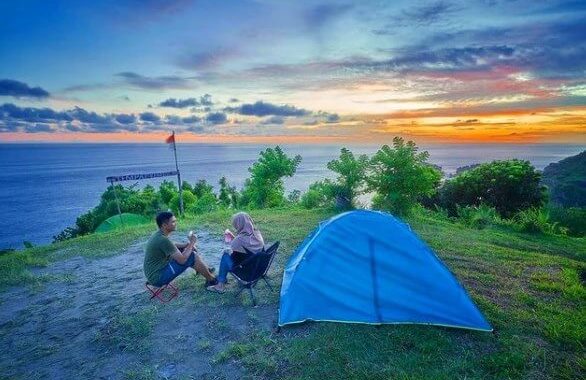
pixel 164 260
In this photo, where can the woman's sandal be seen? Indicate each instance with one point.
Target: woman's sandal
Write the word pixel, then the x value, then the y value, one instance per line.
pixel 213 289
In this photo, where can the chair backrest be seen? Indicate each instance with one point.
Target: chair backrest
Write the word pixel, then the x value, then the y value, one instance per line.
pixel 257 265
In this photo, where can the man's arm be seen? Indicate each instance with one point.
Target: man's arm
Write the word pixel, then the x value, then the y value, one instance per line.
pixel 181 256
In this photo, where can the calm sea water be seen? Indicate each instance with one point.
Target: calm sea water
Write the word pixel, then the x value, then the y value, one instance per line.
pixel 44 187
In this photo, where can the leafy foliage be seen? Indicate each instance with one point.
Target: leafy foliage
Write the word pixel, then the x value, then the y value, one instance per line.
pixel 265 187
pixel 206 203
pixel 189 200
pixel 479 217
pixel 573 218
pixel 228 196
pixel 319 195
pixel 508 186
pixel 536 220
pixel 400 175
pixel 351 177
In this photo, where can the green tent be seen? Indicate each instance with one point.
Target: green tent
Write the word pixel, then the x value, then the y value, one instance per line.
pixel 119 221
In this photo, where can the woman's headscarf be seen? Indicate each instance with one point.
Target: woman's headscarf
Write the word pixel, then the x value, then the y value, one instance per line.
pixel 246 235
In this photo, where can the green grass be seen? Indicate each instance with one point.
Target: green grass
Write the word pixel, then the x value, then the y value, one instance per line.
pixel 129 332
pixel 529 286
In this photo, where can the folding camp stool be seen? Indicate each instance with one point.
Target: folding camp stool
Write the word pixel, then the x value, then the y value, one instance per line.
pixel 159 292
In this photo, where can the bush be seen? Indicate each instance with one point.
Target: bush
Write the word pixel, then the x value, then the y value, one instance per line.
pixel 508 186
pixel 265 187
pixel 573 218
pixel 351 177
pixel 318 195
pixel 188 201
pixel 400 176
pixel 66 234
pixel 202 188
pixel 478 216
pixel 536 220
pixel 167 190
pixel 206 203
pixel 228 196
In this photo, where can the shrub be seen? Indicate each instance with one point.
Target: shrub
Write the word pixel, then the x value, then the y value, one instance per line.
pixel 228 195
pixel 573 218
pixel 535 220
pixel 66 234
pixel 202 188
pixel 265 187
pixel 188 201
pixel 400 176
pixel 206 203
pixel 351 177
pixel 508 186
pixel 167 190
pixel 479 217
pixel 318 195
pixel 294 197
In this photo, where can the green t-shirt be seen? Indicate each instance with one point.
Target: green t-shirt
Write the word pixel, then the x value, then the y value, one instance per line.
pixel 158 253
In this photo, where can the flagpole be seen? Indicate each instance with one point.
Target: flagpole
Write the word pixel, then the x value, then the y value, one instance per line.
pixel 178 177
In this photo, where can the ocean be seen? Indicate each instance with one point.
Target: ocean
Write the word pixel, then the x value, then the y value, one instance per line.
pixel 45 187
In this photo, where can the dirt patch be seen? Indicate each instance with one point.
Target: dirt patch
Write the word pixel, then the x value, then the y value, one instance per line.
pixel 99 323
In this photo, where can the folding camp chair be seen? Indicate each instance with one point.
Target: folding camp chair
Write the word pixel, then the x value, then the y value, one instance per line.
pixel 255 268
pixel 159 292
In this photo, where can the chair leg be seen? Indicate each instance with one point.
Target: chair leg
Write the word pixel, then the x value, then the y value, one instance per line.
pixel 268 283
pixel 239 291
pixel 159 293
pixel 252 296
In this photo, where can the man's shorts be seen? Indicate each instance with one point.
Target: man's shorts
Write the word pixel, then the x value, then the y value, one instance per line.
pixel 174 269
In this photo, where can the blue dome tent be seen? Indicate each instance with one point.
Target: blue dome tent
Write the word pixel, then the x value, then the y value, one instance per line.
pixel 369 267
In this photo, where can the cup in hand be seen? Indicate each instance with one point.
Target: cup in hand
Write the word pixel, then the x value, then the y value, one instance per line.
pixel 228 237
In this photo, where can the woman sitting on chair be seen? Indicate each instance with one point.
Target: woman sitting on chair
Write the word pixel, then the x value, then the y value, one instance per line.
pixel 247 236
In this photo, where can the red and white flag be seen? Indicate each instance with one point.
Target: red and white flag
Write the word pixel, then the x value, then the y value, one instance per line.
pixel 171 139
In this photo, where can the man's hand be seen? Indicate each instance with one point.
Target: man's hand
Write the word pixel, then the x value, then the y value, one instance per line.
pixel 192 238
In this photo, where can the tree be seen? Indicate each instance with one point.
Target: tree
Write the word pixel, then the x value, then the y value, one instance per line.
pixel 400 176
pixel 167 190
pixel 228 195
pixel 202 188
pixel 265 187
pixel 319 195
pixel 189 199
pixel 509 186
pixel 351 176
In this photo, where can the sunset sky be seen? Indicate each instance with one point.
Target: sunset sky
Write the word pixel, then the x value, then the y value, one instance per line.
pixel 297 71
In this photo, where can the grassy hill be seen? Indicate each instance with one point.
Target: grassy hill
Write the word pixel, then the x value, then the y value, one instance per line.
pixel 529 286
pixel 566 181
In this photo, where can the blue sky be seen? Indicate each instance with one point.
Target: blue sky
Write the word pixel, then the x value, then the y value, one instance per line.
pixel 225 70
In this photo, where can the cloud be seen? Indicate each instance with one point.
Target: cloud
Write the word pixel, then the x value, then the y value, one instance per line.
pixel 125 119
pixel 179 103
pixel 333 118
pixel 155 83
pixel 216 118
pixel 273 120
pixel 191 119
pixel 233 100
pixel 30 114
pixel 427 14
pixel 204 100
pixel 261 108
pixel 18 89
pixel 208 59
pixel 150 117
pixel 29 119
pixel 88 117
